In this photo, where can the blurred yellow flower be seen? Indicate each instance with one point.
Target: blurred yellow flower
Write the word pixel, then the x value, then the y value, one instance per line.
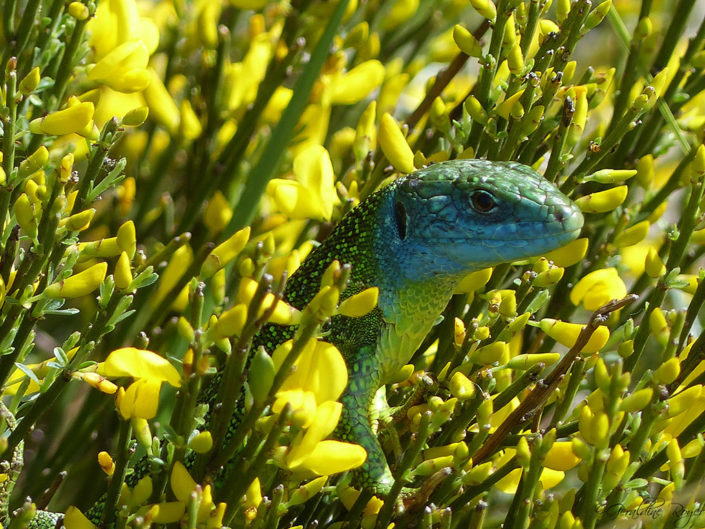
pixel 124 68
pixel 312 194
pixel 597 288
pixel 123 41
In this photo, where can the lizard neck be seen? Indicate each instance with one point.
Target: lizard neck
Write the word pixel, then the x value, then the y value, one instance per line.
pixel 351 242
pixel 410 299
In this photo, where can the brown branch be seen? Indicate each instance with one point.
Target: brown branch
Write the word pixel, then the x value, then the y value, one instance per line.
pixel 544 388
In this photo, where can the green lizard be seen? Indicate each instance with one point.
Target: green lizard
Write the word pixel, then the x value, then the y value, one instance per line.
pixel 415 239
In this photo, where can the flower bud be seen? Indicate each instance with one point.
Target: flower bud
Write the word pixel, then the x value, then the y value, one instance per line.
pixel 127 239
pixel 62 122
pixel 79 10
pixel 616 467
pixel 561 456
pixel 571 253
pixel 80 221
pixel 26 215
pixel 478 474
pixel 461 387
pixel 366 132
pixel 567 334
pixel 491 353
pixel 667 371
pixel 79 284
pixel 431 466
pixel 658 326
pixel 486 8
pixel 527 361
pixel 30 81
pixel 610 176
pixel 232 321
pixel 675 461
pixel 636 401
pixel 106 462
pixel 547 27
pixel 224 252
pixel 135 117
pixel 515 61
pixel 625 349
pixel 562 10
pixel 360 303
pixel 123 272
pixel 261 375
pixel 596 16
pixel 507 107
pixel 475 109
pixel 34 162
pixel 467 43
pixel 633 235
pixel 474 281
pixel 143 434
pixel 394 145
pixel 307 491
pixel 602 201
pixel 201 443
pixel 653 265
pixel 549 277
pixel 684 400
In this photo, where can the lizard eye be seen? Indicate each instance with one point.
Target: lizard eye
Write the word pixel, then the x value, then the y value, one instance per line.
pixel 482 201
pixel 400 218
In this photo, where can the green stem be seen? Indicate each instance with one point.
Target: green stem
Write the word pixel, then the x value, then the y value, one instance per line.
pixel 24 30
pixel 283 131
pixel 8 21
pixel 8 145
pixel 66 67
pixel 95 165
pixel 385 514
pixel 118 477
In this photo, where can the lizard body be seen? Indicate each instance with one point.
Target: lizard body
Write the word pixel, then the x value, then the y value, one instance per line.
pixel 415 239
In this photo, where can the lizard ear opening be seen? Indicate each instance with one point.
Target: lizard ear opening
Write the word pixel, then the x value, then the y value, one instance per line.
pixel 400 217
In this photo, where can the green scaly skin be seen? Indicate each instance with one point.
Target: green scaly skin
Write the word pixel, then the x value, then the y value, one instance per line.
pixel 415 239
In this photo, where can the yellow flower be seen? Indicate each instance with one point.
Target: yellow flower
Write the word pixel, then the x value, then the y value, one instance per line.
pixel 355 84
pixel 122 42
pixel 183 485
pixel 79 284
pixel 139 400
pixel 73 119
pixel 319 370
pixel 124 68
pixel 217 213
pixel 567 334
pixel 75 519
pixel 40 370
pixel 312 389
pixel 394 145
pixel 312 194
pixel 283 314
pixel 549 479
pixel 561 456
pixel 597 288
pixel 139 363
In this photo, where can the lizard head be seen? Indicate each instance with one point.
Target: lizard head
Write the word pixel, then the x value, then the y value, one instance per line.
pixel 462 215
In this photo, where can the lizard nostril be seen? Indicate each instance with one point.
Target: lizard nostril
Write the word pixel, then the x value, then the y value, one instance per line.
pixel 559 215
